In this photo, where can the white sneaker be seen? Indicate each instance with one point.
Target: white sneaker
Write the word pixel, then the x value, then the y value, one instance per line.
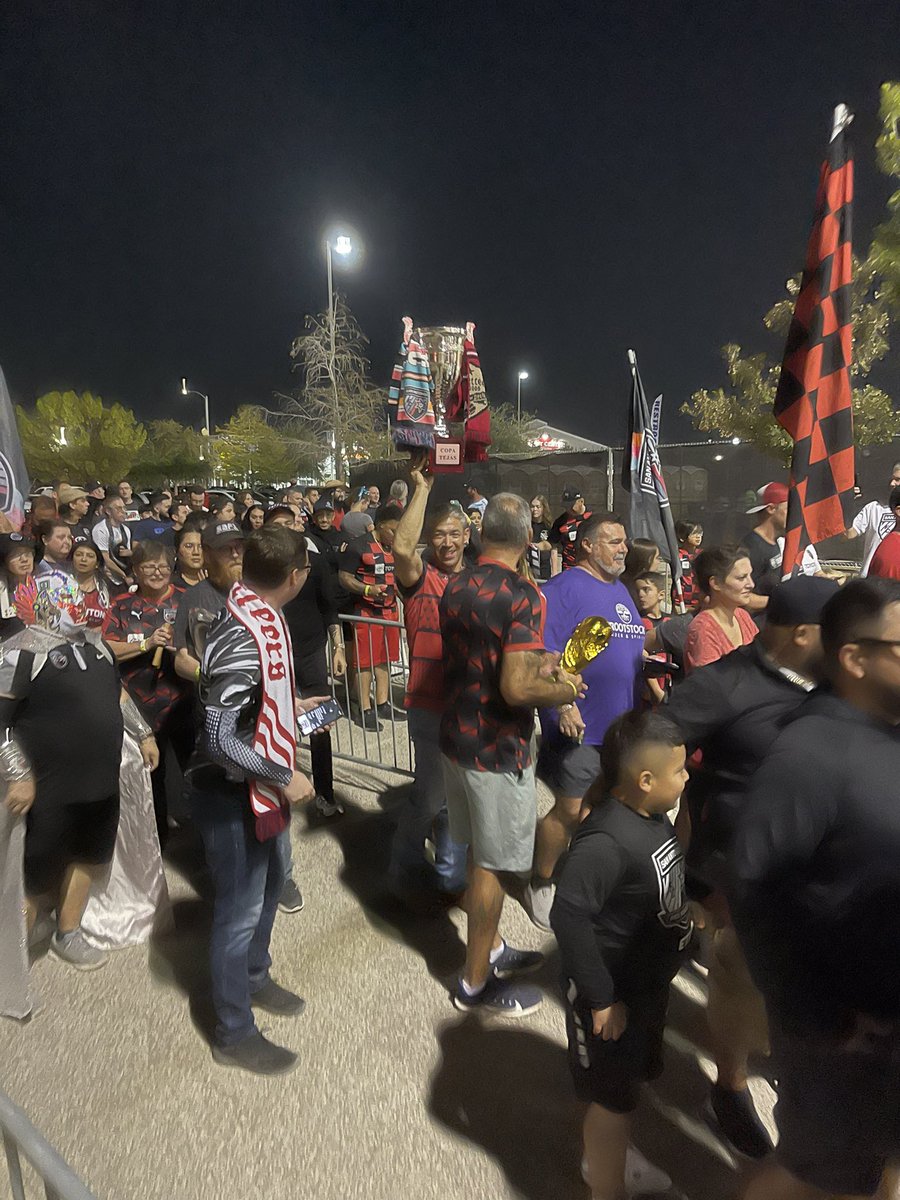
pixel 537 900
pixel 641 1177
pixel 74 949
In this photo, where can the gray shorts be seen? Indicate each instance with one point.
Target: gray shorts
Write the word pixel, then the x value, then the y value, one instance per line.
pixel 568 768
pixel 495 813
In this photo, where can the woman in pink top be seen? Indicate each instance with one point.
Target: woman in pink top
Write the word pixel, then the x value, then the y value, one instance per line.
pixel 724 575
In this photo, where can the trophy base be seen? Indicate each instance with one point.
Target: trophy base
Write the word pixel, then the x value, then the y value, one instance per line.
pixel 447 457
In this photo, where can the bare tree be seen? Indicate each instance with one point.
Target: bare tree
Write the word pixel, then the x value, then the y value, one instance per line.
pixel 337 408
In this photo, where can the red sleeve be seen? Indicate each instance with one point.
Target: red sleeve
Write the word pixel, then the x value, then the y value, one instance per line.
pixel 703 643
pixel 526 628
pixel 885 562
pixel 112 624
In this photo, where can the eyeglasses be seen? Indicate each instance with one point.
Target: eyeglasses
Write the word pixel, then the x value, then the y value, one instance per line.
pixel 155 568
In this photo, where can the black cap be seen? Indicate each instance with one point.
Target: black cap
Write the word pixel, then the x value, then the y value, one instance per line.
pixel 799 601
pixel 571 494
pixel 219 533
pixel 323 505
pixel 11 542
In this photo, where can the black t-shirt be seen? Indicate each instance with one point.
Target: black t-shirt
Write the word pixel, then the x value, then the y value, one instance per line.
pixel 765 558
pixel 198 607
pixel 732 710
pixel 539 560
pixel 69 723
pixel 312 611
pixel 621 916
pixel 80 531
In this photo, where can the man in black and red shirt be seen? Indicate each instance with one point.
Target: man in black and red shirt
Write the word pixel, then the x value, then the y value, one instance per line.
pixel 564 531
pixel 495 674
pixel 367 573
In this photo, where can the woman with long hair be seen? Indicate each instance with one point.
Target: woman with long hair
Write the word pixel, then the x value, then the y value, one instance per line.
pixel 16 578
pixel 725 577
pixel 253 518
pixel 87 570
pixel 188 557
pixel 540 551
pixel 221 509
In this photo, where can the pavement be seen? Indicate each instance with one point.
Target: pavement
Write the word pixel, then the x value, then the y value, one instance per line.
pixel 398 1096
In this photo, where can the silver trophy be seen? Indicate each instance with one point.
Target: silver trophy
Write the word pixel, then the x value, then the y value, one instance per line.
pixel 444 344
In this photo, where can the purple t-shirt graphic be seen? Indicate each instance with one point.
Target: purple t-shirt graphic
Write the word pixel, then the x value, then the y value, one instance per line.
pixel 614 676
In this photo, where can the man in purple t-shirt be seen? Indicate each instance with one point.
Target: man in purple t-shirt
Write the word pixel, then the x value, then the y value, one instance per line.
pixel 569 761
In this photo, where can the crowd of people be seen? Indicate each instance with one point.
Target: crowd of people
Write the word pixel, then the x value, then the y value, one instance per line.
pixel 722 772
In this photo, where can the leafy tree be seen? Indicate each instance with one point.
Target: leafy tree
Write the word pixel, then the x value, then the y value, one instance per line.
pixel 885 254
pixel 248 450
pixel 338 413
pixel 172 453
pixel 78 437
pixel 508 434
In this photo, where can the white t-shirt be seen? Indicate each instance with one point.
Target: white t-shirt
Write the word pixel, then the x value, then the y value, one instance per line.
pixel 809 562
pixel 107 537
pixel 873 523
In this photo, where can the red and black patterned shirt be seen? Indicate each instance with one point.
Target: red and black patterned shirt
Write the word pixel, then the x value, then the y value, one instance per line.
pixel 372 564
pixel 690 592
pixel 564 534
pixel 156 690
pixel 484 612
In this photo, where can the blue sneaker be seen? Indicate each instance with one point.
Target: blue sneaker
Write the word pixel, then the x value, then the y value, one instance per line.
pixel 516 962
pixel 505 999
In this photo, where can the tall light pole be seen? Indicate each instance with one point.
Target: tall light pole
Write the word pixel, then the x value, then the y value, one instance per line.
pixel 522 375
pixel 186 391
pixel 343 246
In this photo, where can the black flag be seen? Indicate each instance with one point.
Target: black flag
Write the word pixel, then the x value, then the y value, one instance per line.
pixel 13 480
pixel 650 515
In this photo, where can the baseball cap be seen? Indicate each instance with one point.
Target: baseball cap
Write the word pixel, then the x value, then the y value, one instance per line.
pixel 799 601
pixel 67 494
pixel 323 504
pixel 571 494
pixel 92 485
pixel 769 493
pixel 11 542
pixel 220 532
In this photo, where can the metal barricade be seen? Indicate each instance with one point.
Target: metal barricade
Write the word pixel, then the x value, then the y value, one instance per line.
pixel 22 1140
pixel 390 749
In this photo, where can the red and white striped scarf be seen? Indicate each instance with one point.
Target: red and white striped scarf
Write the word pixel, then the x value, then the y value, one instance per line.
pixel 276 725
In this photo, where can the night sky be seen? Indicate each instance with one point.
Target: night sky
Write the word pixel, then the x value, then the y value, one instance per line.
pixel 575 178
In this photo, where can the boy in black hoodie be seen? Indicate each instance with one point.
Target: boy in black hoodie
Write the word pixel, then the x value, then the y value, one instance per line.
pixel 623 925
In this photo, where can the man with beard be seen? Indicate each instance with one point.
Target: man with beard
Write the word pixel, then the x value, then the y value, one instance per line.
pixel 324 536
pixel 761 543
pixel 223 553
pixel 573 733
pixel 421 585
pixel 816 886
pixel 733 710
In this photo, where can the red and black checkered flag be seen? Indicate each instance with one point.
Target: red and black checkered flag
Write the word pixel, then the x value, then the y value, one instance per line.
pixel 814 398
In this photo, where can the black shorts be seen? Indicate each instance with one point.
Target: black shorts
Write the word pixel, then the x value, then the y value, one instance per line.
pixel 611 1073
pixel 838 1114
pixel 57 835
pixel 568 768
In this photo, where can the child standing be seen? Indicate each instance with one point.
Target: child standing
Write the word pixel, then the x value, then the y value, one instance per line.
pixel 623 925
pixel 649 589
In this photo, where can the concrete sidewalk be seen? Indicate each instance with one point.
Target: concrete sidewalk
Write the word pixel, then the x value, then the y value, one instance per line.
pixel 398 1095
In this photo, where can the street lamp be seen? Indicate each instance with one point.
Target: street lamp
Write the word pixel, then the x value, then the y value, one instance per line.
pixel 522 375
pixel 186 391
pixel 343 246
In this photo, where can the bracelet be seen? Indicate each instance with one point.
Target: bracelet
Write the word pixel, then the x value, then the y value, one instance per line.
pixel 573 687
pixel 197 674
pixel 365 589
pixel 565 707
pixel 143 645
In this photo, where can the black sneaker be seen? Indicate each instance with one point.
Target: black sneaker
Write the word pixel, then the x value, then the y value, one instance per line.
pixel 273 998
pixel 735 1116
pixel 291 899
pixel 497 996
pixel 368 719
pixel 258 1055
pixel 387 712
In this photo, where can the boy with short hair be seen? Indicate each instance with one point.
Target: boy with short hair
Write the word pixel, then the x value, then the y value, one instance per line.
pixel 649 589
pixel 623 925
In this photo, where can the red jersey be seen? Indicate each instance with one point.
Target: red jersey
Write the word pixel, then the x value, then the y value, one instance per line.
pixel 422 618
pixel 885 562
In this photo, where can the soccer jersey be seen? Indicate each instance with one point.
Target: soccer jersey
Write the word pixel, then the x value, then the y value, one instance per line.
pixel 484 612
pixel 873 523
pixel 422 617
pixel 132 618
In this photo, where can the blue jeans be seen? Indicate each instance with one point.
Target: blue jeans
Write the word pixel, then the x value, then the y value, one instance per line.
pixel 424 815
pixel 247 879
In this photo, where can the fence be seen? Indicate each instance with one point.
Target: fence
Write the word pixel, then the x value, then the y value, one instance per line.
pixel 391 748
pixel 22 1140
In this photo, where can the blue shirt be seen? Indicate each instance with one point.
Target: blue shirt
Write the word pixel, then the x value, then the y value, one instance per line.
pixel 614 676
